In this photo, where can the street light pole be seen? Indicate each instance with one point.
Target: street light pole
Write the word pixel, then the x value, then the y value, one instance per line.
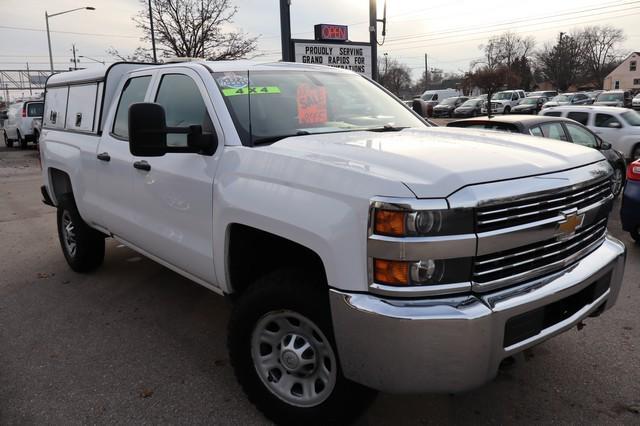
pixel 92 59
pixel 46 18
pixel 153 37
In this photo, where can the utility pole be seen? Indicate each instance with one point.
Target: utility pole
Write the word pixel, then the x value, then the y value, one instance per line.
pixel 75 61
pixel 46 18
pixel 153 37
pixel 426 72
pixel 29 80
pixel 285 30
pixel 373 38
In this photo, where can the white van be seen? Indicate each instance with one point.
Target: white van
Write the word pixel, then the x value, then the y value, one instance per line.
pixel 19 124
pixel 439 95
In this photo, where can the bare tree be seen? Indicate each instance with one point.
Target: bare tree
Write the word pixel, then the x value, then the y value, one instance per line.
pixel 140 54
pixel 395 76
pixel 599 51
pixel 505 49
pixel 491 80
pixel 194 28
pixel 563 63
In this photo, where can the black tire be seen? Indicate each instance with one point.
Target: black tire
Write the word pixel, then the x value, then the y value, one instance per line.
pixel 620 171
pixel 635 234
pixel 506 110
pixel 635 155
pixel 8 142
pixel 89 243
pixel 290 290
pixel 21 141
pixel 36 136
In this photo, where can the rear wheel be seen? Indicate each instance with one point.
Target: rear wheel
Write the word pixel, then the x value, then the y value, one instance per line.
pixel 36 136
pixel 283 353
pixel 82 246
pixel 8 142
pixel 21 141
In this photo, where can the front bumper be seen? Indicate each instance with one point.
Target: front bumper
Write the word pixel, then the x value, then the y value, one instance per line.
pixel 457 343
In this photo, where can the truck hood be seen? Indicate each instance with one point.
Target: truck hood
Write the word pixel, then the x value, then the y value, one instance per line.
pixel 436 162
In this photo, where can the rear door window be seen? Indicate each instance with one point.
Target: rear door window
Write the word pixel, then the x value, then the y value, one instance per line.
pixel 536 131
pixel 580 117
pixel 35 109
pixel 553 131
pixel 605 120
pixel 135 90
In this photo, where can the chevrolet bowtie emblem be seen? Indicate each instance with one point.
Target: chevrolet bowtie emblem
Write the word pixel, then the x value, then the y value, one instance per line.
pixel 568 227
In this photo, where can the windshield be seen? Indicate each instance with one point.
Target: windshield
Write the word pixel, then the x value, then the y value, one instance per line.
pixel 429 97
pixel 562 98
pixel 529 101
pixel 502 96
pixel 267 106
pixel 610 97
pixel 472 103
pixel 632 118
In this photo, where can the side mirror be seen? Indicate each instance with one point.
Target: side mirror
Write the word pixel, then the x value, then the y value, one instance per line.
pixel 148 133
pixel 605 145
pixel 614 125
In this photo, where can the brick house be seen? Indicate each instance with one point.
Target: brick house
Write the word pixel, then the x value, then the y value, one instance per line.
pixel 626 76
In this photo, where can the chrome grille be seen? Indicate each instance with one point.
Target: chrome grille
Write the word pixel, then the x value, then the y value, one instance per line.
pixel 533 260
pixel 532 209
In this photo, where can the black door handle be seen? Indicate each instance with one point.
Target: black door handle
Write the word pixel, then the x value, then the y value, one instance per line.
pixel 104 156
pixel 142 165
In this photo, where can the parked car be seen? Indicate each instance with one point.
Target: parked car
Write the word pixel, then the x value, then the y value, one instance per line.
pixel 503 102
pixel 635 103
pixel 529 105
pixel 544 93
pixel 568 99
pixel 424 104
pixel 618 126
pixel 630 211
pixel 593 95
pixel 470 108
pixel 18 126
pixel 448 106
pixel 614 98
pixel 326 210
pixel 562 129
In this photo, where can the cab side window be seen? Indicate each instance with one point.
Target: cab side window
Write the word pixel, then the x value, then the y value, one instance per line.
pixel 582 136
pixel 580 117
pixel 183 105
pixel 536 131
pixel 134 91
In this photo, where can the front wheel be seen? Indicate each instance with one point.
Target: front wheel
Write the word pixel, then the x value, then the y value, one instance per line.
pixel 617 181
pixel 82 246
pixel 506 110
pixel 284 355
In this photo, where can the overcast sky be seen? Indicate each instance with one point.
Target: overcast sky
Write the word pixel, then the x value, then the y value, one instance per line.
pixel 449 31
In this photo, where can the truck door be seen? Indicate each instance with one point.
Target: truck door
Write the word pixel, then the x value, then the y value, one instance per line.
pixel 173 194
pixel 113 178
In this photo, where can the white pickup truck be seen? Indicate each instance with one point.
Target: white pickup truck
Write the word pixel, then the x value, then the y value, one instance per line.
pixel 362 248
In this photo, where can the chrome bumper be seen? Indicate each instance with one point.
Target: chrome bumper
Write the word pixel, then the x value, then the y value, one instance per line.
pixel 457 343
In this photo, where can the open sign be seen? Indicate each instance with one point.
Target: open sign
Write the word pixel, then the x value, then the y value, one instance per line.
pixel 331 32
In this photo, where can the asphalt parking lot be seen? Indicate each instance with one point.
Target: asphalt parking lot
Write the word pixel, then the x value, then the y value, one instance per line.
pixel 137 343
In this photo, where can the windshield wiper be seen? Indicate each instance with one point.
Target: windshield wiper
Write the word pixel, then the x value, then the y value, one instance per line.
pixel 386 128
pixel 271 139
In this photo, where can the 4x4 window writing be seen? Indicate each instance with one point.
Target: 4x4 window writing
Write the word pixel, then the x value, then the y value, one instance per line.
pixel 134 90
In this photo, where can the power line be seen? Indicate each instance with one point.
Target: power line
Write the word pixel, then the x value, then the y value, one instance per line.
pixel 6 27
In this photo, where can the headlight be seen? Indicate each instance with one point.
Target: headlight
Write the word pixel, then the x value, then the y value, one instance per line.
pixel 400 223
pixel 422 272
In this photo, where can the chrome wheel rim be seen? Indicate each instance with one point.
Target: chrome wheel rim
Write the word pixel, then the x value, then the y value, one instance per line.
pixel 69 234
pixel 293 358
pixel 616 181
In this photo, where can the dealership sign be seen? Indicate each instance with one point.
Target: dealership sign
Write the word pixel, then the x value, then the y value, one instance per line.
pixel 347 55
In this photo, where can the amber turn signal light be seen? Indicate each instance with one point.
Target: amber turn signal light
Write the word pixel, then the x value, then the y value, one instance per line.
pixel 391 272
pixel 389 222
